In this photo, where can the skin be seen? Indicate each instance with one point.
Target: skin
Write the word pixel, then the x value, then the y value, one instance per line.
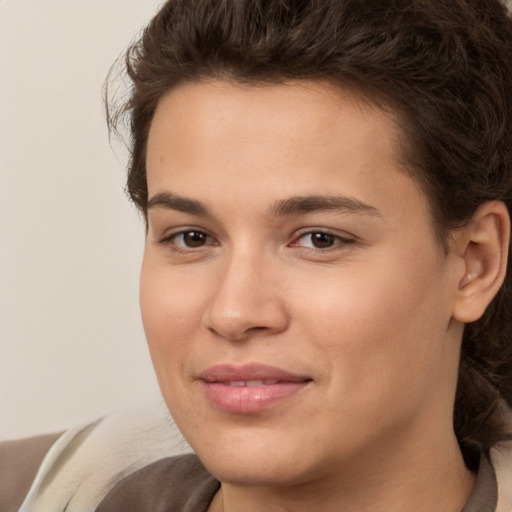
pixel 374 318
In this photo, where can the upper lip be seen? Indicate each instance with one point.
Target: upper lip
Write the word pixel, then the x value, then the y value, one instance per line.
pixel 249 372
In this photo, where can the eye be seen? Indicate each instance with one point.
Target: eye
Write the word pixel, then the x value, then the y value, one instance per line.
pixel 191 239
pixel 320 240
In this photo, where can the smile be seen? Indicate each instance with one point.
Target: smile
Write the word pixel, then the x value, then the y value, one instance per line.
pixel 251 388
pixel 250 383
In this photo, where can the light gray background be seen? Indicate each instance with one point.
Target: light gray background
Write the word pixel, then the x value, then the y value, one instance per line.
pixel 71 340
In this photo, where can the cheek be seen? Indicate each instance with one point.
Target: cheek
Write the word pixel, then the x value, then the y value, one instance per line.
pixel 381 329
pixel 171 311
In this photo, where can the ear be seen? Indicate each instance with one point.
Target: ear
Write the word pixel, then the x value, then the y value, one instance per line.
pixel 485 252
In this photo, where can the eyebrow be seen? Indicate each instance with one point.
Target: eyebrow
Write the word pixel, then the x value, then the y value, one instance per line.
pixel 320 203
pixel 182 204
pixel 284 207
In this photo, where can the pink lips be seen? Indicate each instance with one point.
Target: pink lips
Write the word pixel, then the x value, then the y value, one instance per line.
pixel 250 388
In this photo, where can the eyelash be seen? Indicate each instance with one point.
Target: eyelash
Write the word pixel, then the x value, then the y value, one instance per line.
pixel 337 240
pixel 171 240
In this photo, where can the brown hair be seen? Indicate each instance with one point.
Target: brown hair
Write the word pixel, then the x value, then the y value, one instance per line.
pixel 445 68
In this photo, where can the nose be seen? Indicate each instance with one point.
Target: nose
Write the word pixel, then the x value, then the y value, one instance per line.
pixel 246 301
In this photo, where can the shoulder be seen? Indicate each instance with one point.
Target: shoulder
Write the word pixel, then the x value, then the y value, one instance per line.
pixel 19 463
pixel 501 459
pixel 88 461
pixel 171 484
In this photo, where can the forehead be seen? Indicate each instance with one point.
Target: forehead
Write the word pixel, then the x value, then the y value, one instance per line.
pixel 195 118
pixel 318 108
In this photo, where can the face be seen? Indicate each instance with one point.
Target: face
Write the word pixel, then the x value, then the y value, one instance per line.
pixel 294 297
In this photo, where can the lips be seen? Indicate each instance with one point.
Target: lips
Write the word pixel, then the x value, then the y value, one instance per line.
pixel 250 388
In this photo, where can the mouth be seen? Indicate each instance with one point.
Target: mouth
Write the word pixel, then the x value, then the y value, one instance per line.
pixel 250 388
pixel 251 383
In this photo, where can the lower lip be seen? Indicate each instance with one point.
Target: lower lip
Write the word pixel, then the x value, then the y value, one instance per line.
pixel 250 399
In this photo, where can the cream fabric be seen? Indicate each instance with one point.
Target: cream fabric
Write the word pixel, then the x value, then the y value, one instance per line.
pixel 87 461
pixel 501 458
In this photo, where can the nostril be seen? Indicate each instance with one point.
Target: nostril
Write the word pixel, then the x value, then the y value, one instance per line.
pixel 234 334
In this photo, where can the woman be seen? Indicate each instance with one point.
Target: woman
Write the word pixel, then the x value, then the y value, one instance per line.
pixel 324 293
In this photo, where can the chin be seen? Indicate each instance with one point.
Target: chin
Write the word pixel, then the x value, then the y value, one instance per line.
pixel 257 472
pixel 260 459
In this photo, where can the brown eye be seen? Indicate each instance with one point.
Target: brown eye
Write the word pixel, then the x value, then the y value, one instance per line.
pixel 322 240
pixel 188 240
pixel 193 238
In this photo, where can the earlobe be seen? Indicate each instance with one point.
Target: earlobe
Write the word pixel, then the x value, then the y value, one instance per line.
pixel 485 257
